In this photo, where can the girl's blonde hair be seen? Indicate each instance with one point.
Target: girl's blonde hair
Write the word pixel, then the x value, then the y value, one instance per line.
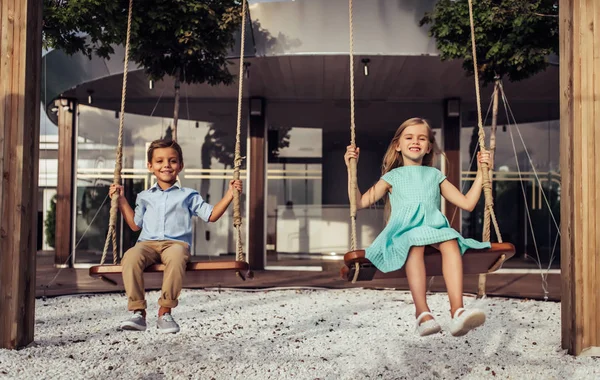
pixel 393 158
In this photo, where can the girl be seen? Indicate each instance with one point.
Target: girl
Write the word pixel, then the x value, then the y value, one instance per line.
pixel 415 221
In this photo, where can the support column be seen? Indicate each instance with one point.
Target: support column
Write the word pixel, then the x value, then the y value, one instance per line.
pixel 451 136
pixel 580 172
pixel 20 68
pixel 257 181
pixel 67 118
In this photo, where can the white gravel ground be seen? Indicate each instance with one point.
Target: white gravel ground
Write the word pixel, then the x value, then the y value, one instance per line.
pixel 299 334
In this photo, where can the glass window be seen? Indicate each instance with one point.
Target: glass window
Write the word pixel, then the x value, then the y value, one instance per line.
pixel 526 156
pixel 208 156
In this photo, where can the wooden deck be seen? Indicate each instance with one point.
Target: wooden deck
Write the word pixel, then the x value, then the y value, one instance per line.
pixel 51 281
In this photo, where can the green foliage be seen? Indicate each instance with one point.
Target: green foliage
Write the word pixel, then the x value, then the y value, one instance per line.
pixel 190 38
pixel 513 37
pixel 50 223
pixel 84 26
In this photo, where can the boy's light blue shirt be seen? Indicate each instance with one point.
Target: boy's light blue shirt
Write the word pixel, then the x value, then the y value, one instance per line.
pixel 167 214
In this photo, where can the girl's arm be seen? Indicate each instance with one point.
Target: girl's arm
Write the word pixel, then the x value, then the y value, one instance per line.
pixel 126 210
pixel 372 195
pixel 467 201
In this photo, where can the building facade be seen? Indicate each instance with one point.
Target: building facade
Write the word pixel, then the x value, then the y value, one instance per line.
pixel 296 126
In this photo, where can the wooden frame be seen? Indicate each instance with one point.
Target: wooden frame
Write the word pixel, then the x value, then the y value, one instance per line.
pixel 20 72
pixel 580 172
pixel 67 117
pixel 20 61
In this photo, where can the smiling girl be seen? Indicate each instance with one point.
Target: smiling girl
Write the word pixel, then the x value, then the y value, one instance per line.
pixel 414 187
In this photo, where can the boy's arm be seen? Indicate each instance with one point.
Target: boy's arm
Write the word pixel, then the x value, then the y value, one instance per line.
pixel 128 213
pixel 213 213
pixel 221 206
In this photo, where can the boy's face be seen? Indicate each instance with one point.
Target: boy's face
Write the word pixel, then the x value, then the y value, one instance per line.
pixel 165 165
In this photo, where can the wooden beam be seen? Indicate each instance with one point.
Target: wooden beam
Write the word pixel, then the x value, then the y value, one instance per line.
pixel 257 170
pixel 580 172
pixel 20 68
pixel 67 116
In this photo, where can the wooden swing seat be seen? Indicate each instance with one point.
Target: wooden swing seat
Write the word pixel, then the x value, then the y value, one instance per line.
pixel 105 272
pixel 475 261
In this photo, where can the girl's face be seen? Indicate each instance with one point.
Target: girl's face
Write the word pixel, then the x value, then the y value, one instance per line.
pixel 165 165
pixel 414 144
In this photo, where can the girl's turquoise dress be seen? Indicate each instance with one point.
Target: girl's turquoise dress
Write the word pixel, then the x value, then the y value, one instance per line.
pixel 415 220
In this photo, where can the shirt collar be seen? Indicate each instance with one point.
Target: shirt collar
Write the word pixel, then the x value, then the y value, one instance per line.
pixel 176 185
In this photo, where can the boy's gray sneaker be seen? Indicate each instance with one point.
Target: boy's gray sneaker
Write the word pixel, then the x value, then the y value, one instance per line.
pixel 167 325
pixel 136 322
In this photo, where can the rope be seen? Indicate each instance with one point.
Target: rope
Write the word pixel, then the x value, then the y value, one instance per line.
pixel 487 186
pixel 237 161
pixel 471 160
pixel 508 109
pixel 353 181
pixel 114 202
pixel 544 276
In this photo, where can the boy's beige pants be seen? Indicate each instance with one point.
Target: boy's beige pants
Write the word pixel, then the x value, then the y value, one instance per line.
pixel 174 254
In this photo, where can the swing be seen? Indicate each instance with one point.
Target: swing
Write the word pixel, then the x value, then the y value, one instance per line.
pixel 475 261
pixel 105 271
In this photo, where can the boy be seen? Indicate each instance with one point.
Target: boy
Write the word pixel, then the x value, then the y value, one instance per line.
pixel 164 214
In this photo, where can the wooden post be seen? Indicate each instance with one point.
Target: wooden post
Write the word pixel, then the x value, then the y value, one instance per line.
pixel 580 172
pixel 67 116
pixel 20 68
pixel 257 181
pixel 451 136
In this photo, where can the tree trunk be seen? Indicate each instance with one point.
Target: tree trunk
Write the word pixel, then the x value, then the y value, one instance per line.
pixel 176 107
pixel 486 214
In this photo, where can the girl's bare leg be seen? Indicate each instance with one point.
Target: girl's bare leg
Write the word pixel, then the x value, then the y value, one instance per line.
pixel 453 273
pixel 417 280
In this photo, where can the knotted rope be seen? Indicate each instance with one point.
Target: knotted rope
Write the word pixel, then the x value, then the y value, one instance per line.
pixel 111 237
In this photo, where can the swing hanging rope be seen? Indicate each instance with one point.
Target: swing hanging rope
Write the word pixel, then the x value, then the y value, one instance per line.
pixel 237 219
pixel 487 186
pixel 353 184
pixel 111 237
pixel 237 160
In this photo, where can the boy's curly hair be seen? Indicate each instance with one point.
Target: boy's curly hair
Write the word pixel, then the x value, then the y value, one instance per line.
pixel 163 143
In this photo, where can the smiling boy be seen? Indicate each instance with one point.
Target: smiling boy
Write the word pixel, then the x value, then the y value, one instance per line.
pixel 163 213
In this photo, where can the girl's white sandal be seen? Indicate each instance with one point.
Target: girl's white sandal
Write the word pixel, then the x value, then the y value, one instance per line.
pixel 428 327
pixel 467 321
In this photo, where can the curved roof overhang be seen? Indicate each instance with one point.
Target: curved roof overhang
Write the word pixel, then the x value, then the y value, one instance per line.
pixel 298 51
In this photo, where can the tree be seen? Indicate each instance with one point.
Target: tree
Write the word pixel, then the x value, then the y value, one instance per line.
pixel 513 40
pixel 514 37
pixel 186 39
